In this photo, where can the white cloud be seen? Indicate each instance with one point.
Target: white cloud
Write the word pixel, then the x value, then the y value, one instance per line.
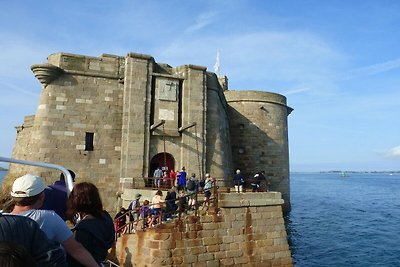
pixel 202 21
pixel 286 56
pixel 297 91
pixel 371 70
pixel 393 152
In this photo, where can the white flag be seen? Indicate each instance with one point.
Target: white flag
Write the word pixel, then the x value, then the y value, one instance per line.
pixel 216 66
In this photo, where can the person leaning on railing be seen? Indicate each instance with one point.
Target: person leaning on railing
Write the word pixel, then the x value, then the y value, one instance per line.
pixel 208 184
pixel 170 200
pixel 134 211
pixel 120 221
pixel 158 203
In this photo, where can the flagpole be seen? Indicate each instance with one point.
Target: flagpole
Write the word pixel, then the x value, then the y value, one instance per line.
pixel 216 66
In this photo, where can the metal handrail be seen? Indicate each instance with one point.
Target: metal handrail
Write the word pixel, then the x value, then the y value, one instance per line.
pixel 68 180
pixel 214 199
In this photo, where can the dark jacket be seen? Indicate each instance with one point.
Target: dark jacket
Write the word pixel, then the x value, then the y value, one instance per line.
pixel 238 179
pixel 97 235
pixel 56 198
pixel 26 232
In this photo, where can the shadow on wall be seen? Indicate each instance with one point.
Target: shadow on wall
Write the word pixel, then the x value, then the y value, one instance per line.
pixel 128 258
pixel 253 150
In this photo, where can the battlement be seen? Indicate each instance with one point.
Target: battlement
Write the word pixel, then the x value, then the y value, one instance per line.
pixel 108 66
pixel 257 96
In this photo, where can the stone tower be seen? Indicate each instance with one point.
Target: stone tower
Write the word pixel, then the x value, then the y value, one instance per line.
pixel 259 136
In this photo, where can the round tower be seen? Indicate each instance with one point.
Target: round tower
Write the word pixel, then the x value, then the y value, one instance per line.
pixel 259 137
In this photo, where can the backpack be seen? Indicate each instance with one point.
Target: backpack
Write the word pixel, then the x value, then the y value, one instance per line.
pixel 130 205
pixel 190 185
pixel 202 183
pixel 133 205
pixel 208 185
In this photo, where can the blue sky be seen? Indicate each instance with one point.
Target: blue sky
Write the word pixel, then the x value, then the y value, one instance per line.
pixel 337 62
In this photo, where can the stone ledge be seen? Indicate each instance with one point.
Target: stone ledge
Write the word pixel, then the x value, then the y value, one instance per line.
pixel 231 200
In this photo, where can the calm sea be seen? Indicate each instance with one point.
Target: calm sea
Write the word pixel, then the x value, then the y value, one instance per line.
pixel 351 221
pixel 2 174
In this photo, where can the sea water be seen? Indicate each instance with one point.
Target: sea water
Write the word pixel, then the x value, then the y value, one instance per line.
pixel 2 175
pixel 344 221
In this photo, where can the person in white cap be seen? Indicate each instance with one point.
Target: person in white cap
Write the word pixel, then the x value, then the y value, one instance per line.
pixel 27 193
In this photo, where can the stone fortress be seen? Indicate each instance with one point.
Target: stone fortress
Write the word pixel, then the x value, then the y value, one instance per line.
pixel 114 119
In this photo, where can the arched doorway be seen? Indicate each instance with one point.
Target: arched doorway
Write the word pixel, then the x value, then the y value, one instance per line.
pixel 163 160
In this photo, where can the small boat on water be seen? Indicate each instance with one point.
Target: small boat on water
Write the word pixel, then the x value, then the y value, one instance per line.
pixel 344 174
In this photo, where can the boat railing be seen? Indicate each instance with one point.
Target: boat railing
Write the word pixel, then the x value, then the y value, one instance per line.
pixel 68 180
pixel 109 263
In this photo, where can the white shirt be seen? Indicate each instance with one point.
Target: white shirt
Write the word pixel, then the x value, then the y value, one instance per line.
pixel 49 222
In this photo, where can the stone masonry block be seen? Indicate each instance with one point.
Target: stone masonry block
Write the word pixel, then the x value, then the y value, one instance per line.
pixel 180 251
pixel 221 232
pixel 234 253
pixel 197 250
pixel 213 263
pixel 220 254
pixel 154 244
pixel 212 241
pixel 161 253
pixel 187 259
pixel 234 231
pixel 205 257
pixel 162 237
pixel 241 260
pixel 227 262
pixel 213 248
pixel 167 244
pixel 210 226
pixel 206 233
pixel 234 246
pixel 227 239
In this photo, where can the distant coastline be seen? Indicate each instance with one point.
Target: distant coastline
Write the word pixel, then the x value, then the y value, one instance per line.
pixel 3 169
pixel 386 172
pixel 360 171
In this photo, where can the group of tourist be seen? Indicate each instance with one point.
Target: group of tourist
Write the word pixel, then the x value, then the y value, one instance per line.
pixel 165 178
pixel 259 182
pixel 36 232
pixel 178 199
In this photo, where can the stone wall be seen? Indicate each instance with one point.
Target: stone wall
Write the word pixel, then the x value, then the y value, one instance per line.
pixel 248 231
pixel 219 154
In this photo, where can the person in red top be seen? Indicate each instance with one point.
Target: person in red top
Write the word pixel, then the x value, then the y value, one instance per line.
pixel 172 176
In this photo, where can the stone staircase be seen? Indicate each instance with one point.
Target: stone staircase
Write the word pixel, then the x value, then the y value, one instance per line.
pixel 246 229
